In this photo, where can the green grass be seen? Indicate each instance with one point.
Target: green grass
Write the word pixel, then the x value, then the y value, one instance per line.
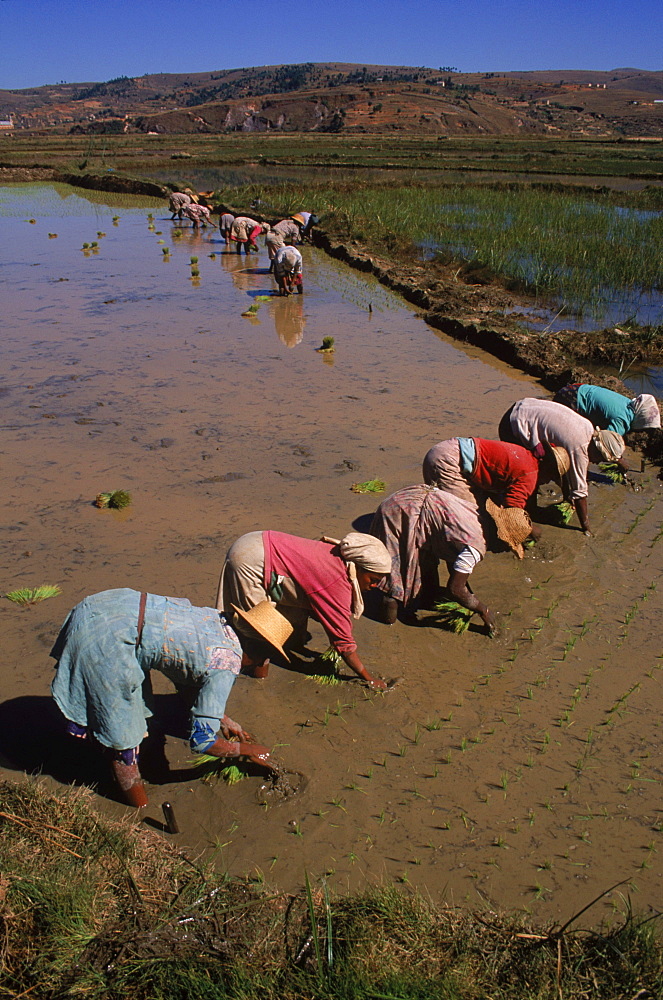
pixel 33 595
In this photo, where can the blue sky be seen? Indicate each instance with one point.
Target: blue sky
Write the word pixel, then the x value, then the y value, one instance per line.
pixel 46 41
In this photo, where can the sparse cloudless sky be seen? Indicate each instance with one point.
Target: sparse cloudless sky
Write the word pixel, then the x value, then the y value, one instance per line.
pixel 46 41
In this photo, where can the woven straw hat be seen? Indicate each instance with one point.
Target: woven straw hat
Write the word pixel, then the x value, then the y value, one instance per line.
pixel 513 525
pixel 562 460
pixel 269 623
pixel 298 217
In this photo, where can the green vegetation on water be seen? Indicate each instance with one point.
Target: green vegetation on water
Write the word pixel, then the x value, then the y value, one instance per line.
pixel 95 908
pixel 370 486
pixel 33 595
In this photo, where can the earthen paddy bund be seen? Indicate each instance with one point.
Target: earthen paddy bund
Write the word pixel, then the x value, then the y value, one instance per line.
pixel 522 773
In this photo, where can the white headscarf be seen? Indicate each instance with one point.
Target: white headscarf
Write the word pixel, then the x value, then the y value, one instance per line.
pixel 645 412
pixel 367 552
pixel 609 443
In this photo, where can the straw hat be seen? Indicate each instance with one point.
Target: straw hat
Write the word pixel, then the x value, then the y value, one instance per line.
pixel 513 525
pixel 562 460
pixel 269 623
pixel 298 217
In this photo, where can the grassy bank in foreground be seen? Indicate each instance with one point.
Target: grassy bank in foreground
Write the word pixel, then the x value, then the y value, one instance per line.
pixel 95 908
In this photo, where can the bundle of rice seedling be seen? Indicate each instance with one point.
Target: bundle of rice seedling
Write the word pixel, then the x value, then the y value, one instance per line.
pixel 230 773
pixel 327 346
pixel 564 511
pixel 371 486
pixel 117 499
pixel 332 661
pixel 613 471
pixel 255 305
pixel 453 616
pixel 33 595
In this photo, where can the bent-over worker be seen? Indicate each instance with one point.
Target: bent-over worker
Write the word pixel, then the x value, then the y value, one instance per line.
pixel 105 651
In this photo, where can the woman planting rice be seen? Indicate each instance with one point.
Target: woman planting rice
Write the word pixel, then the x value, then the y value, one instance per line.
pixel 244 231
pixel 471 467
pixel 421 525
pixel 610 410
pixel 105 651
pixel 288 270
pixel 305 577
pixel 533 422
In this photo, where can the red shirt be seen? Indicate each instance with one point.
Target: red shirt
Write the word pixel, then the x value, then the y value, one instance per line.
pixel 505 468
pixel 321 575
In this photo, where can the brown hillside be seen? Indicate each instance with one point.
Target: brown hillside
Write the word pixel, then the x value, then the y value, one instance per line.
pixel 341 97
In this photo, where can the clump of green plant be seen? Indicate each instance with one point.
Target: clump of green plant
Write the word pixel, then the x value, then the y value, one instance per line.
pixel 453 616
pixel 563 512
pixel 52 236
pixel 195 272
pixel 165 251
pixel 116 500
pixel 193 260
pixel 33 595
pixel 177 232
pixel 116 219
pixel 332 660
pixel 255 305
pixel 327 346
pixel 221 769
pixel 100 234
pixel 86 246
pixel 370 486
pixel 613 471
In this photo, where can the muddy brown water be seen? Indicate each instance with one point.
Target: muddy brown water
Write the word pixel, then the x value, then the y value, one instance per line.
pixel 523 772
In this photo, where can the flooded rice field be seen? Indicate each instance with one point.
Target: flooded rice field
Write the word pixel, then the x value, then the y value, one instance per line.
pixel 522 772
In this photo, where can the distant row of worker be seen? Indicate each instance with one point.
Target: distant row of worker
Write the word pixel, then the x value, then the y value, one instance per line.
pixel 285 260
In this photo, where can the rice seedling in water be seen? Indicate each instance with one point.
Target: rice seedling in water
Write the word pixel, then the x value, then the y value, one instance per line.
pixel 332 661
pixel 52 236
pixel 33 595
pixel 327 346
pixel 116 500
pixel 255 305
pixel 195 273
pixel 453 616
pixel 370 486
pixel 193 260
pixel 165 251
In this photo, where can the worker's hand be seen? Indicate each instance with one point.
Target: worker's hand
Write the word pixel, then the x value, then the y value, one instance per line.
pixel 535 533
pixel 375 683
pixel 231 728
pixel 489 621
pixel 256 753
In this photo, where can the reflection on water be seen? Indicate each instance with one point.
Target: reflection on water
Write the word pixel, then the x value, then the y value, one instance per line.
pixel 289 322
pixel 62 200
pixel 647 379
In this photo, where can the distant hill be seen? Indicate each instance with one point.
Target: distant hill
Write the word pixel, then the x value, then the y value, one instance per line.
pixel 343 97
